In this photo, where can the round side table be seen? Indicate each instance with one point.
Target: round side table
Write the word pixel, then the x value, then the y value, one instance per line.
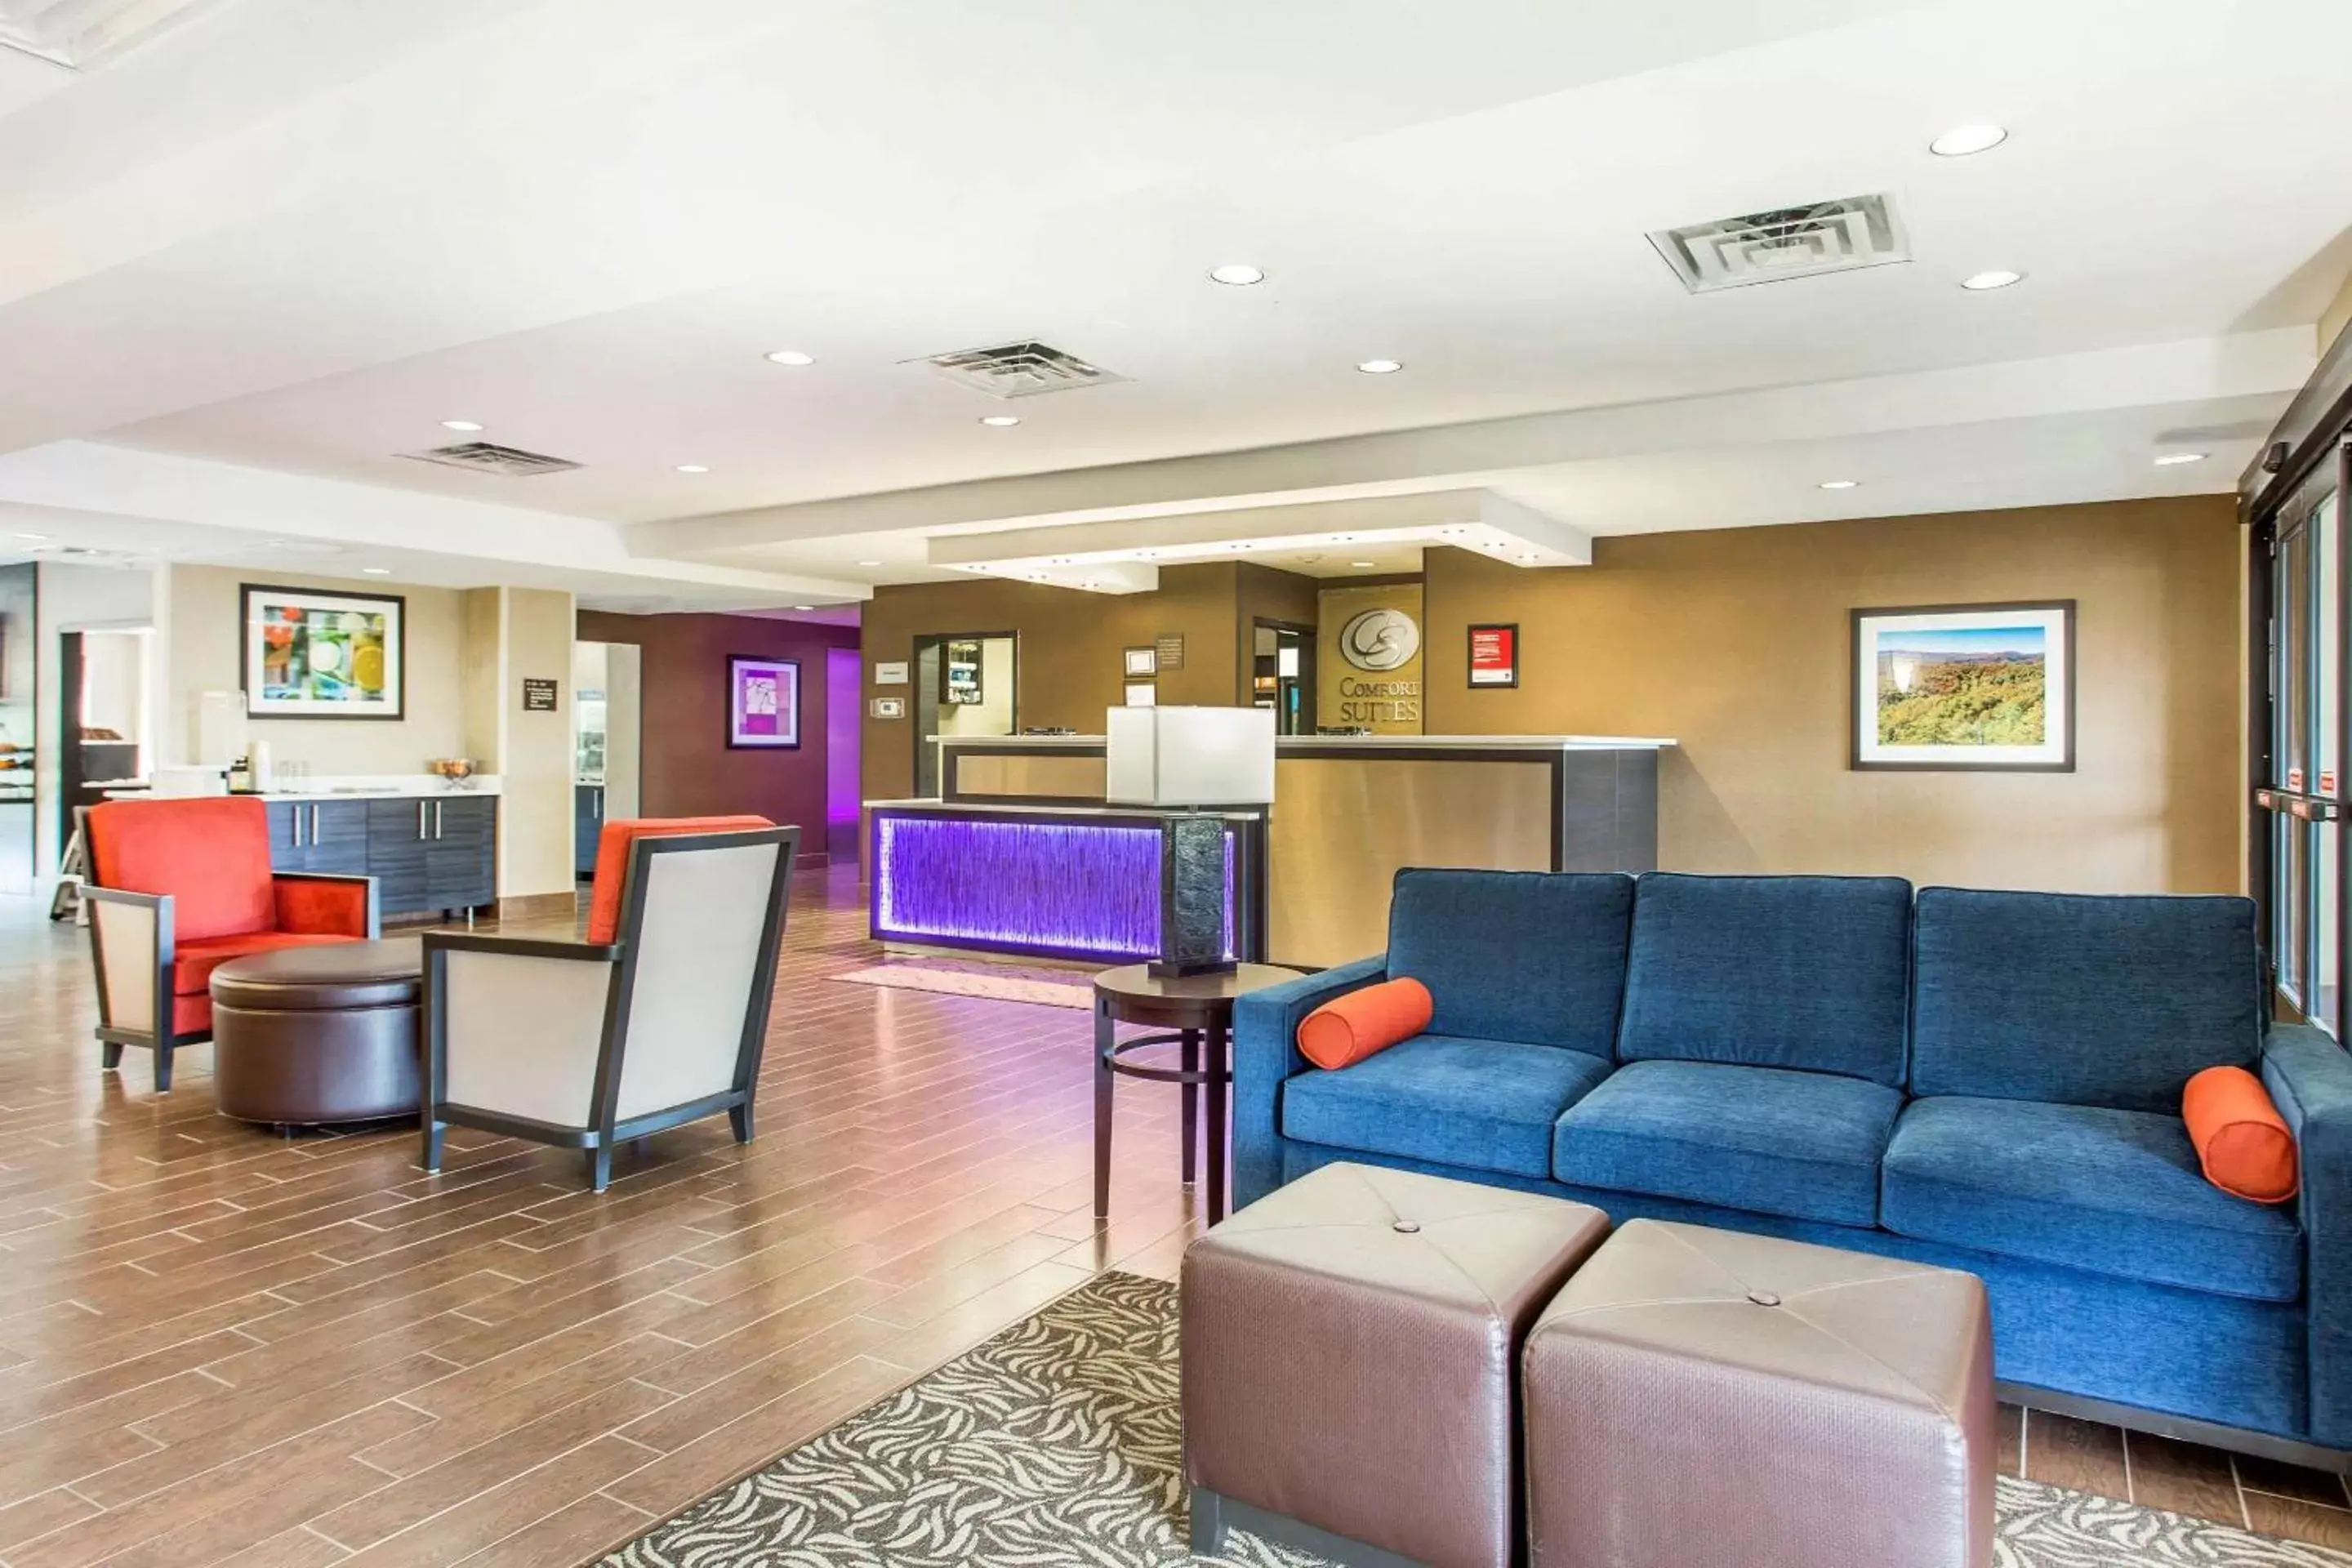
pixel 1190 1011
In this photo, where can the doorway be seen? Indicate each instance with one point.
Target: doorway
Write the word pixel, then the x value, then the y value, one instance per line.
pixel 966 683
pixel 607 772
pixel 843 786
pixel 2301 788
pixel 1282 674
pixel 105 729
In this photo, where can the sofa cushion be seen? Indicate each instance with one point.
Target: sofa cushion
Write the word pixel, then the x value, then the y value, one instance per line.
pixel 1777 972
pixel 2082 999
pixel 192 963
pixel 1487 1105
pixel 1534 956
pixel 1803 1144
pixel 2117 1191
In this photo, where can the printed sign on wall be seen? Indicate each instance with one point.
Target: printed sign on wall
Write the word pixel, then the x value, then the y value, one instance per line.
pixel 1494 656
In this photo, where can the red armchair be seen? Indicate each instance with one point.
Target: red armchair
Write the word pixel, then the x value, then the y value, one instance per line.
pixel 178 888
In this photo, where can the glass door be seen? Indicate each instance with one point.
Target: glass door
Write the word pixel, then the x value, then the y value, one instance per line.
pixel 2304 792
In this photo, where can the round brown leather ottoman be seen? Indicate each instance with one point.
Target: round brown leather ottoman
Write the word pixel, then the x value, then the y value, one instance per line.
pixel 317 1034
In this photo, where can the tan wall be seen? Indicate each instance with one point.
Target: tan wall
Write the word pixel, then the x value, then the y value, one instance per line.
pixel 1069 650
pixel 1735 643
pixel 535 819
pixel 196 622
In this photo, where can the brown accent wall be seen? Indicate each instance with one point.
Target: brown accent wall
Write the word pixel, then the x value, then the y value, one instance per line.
pixel 1735 643
pixel 1070 643
pixel 688 769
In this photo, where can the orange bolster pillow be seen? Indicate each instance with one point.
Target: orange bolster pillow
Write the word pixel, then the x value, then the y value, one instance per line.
pixel 2242 1141
pixel 1354 1026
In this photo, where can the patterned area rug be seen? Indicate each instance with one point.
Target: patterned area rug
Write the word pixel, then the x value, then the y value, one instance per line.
pixel 1048 987
pixel 1058 1442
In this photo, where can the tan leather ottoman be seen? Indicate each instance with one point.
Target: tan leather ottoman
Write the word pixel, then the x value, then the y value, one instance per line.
pixel 1703 1399
pixel 1351 1349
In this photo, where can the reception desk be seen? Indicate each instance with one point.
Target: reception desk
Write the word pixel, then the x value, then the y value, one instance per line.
pixel 1347 813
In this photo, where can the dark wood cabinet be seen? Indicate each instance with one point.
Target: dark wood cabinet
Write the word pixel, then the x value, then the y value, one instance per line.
pixel 427 853
pixel 395 846
pixel 320 835
pixel 461 852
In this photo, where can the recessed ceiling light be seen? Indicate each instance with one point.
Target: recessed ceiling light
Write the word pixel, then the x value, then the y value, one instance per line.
pixel 1381 367
pixel 375 571
pixel 1963 139
pixel 1237 274
pixel 1000 421
pixel 1998 277
pixel 870 563
pixel 803 607
pixel 1361 564
pixel 460 425
pixel 2174 459
pixel 37 538
pixel 791 356
pixel 692 469
pixel 1839 484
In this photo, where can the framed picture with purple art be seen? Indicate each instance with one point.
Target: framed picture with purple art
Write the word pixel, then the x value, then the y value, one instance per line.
pixel 763 703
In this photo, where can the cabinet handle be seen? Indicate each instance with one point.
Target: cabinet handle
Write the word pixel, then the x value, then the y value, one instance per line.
pixel 436 820
pixel 298 827
pixel 314 827
pixel 420 820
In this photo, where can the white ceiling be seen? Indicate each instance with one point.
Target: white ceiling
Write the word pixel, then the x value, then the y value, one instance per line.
pixel 292 236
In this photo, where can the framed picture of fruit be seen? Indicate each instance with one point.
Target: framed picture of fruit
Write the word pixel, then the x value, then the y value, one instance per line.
pixel 315 654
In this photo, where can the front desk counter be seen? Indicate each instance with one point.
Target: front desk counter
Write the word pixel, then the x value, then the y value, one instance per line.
pixel 1347 813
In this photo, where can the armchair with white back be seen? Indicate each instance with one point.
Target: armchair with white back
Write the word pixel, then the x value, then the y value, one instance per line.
pixel 655 1020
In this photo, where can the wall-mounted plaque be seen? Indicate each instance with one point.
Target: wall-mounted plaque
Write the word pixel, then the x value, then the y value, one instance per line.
pixel 1494 656
pixel 537 696
pixel 891 672
pixel 1143 663
pixel 886 707
pixel 1168 651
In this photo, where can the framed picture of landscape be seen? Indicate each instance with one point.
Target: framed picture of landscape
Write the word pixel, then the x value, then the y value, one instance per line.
pixel 314 655
pixel 1941 687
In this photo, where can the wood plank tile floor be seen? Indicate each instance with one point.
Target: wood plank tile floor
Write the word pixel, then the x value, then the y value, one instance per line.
pixel 222 1345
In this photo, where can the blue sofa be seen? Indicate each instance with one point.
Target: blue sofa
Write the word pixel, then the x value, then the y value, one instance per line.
pixel 1987 1080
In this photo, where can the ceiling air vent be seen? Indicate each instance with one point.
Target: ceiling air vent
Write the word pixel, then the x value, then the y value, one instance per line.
pixel 1019 370
pixel 1786 242
pixel 489 458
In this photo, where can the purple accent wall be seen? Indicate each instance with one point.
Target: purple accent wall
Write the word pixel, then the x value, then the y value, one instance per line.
pixel 1065 889
pixel 842 726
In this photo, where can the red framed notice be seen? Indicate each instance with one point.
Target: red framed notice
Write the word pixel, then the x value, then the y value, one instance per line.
pixel 1494 656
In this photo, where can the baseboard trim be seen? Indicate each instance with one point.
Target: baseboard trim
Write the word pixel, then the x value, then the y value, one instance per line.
pixel 537 906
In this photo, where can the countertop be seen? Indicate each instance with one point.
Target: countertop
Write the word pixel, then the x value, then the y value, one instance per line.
pixel 1362 742
pixel 384 786
pixel 1074 808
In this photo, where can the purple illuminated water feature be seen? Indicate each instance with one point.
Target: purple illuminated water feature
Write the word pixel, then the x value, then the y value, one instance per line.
pixel 1073 889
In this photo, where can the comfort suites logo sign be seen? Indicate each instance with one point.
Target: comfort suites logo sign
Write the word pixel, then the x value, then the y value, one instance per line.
pixel 1380 640
pixel 1375 679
